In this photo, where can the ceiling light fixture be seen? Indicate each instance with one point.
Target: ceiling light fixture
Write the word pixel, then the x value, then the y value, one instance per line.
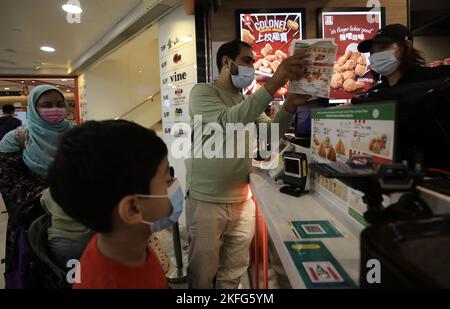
pixel 70 8
pixel 6 88
pixel 47 49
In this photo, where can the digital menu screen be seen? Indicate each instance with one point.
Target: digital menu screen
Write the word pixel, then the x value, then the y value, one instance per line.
pixel 348 27
pixel 270 33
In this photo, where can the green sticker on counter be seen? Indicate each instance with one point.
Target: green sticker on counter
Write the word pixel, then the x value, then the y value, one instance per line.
pixel 317 266
pixel 316 229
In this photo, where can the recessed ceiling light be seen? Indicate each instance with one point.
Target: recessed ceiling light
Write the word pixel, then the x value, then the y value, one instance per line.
pixel 6 88
pixel 22 81
pixel 33 81
pixel 70 8
pixel 64 79
pixel 68 90
pixel 47 49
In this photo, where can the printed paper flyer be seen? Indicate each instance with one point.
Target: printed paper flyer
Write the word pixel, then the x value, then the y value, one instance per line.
pixel 318 72
pixel 352 73
pixel 270 35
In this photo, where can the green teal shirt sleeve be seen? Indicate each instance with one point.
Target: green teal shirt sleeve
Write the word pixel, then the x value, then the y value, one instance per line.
pixel 9 142
pixel 282 117
pixel 205 101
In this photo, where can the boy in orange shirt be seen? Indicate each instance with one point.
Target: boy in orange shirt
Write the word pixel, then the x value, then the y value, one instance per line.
pixel 113 177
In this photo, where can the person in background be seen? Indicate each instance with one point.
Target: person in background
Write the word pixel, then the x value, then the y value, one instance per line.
pixel 8 122
pixel 422 127
pixel 67 238
pixel 220 213
pixel 394 58
pixel 113 177
pixel 27 151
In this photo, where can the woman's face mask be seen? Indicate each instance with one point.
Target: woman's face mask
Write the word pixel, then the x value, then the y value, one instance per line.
pixel 52 115
pixel 384 62
pixel 176 196
pixel 244 77
pixel 51 107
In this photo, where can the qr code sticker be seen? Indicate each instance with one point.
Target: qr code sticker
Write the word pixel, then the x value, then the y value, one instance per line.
pixel 313 229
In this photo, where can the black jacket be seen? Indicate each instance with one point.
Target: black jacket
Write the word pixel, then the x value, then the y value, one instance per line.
pixel 8 123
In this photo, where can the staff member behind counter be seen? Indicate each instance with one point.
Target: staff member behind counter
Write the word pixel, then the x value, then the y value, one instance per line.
pixel 422 126
pixel 220 214
pixel 393 56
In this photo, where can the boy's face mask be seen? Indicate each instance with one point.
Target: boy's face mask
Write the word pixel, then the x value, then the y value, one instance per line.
pixel 176 196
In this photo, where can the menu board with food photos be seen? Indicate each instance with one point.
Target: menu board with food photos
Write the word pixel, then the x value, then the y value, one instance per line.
pixel 317 74
pixel 348 27
pixel 338 133
pixel 270 34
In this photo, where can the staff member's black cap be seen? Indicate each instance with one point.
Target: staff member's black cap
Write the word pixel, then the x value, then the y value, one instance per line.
pixel 388 34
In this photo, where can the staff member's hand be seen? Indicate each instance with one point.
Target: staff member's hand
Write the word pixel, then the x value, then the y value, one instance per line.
pixel 291 68
pixel 295 100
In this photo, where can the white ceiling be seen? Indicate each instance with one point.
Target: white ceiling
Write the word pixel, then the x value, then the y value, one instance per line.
pixel 18 84
pixel 25 25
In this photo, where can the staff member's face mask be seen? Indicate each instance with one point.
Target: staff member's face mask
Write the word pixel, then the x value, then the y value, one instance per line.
pixel 384 62
pixel 244 76
pixel 176 196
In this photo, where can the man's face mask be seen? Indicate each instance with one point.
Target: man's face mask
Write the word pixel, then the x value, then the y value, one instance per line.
pixel 244 77
pixel 176 196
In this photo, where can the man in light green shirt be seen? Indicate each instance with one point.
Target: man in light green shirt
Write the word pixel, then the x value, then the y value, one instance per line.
pixel 219 211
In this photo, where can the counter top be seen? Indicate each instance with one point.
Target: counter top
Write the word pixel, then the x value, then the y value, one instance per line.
pixel 279 209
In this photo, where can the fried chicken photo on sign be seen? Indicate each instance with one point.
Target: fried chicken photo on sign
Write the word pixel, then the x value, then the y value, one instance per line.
pixel 274 65
pixel 337 68
pixel 352 85
pixel 349 65
pixel 257 64
pixel 342 59
pixel 292 25
pixel 247 37
pixel 361 60
pixel 266 50
pixel 270 58
pixel 336 80
pixel 360 69
pixel 349 75
pixel 355 55
pixel 280 55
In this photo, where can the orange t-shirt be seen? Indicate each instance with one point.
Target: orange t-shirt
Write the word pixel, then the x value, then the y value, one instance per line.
pixel 99 272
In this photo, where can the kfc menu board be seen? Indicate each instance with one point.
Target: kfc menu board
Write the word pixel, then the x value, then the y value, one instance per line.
pixel 351 74
pixel 270 35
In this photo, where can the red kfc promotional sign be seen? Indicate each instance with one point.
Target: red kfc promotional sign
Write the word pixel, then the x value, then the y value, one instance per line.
pixel 348 27
pixel 270 34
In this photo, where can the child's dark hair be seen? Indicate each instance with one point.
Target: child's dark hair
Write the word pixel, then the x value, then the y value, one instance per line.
pixel 230 49
pixel 100 162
